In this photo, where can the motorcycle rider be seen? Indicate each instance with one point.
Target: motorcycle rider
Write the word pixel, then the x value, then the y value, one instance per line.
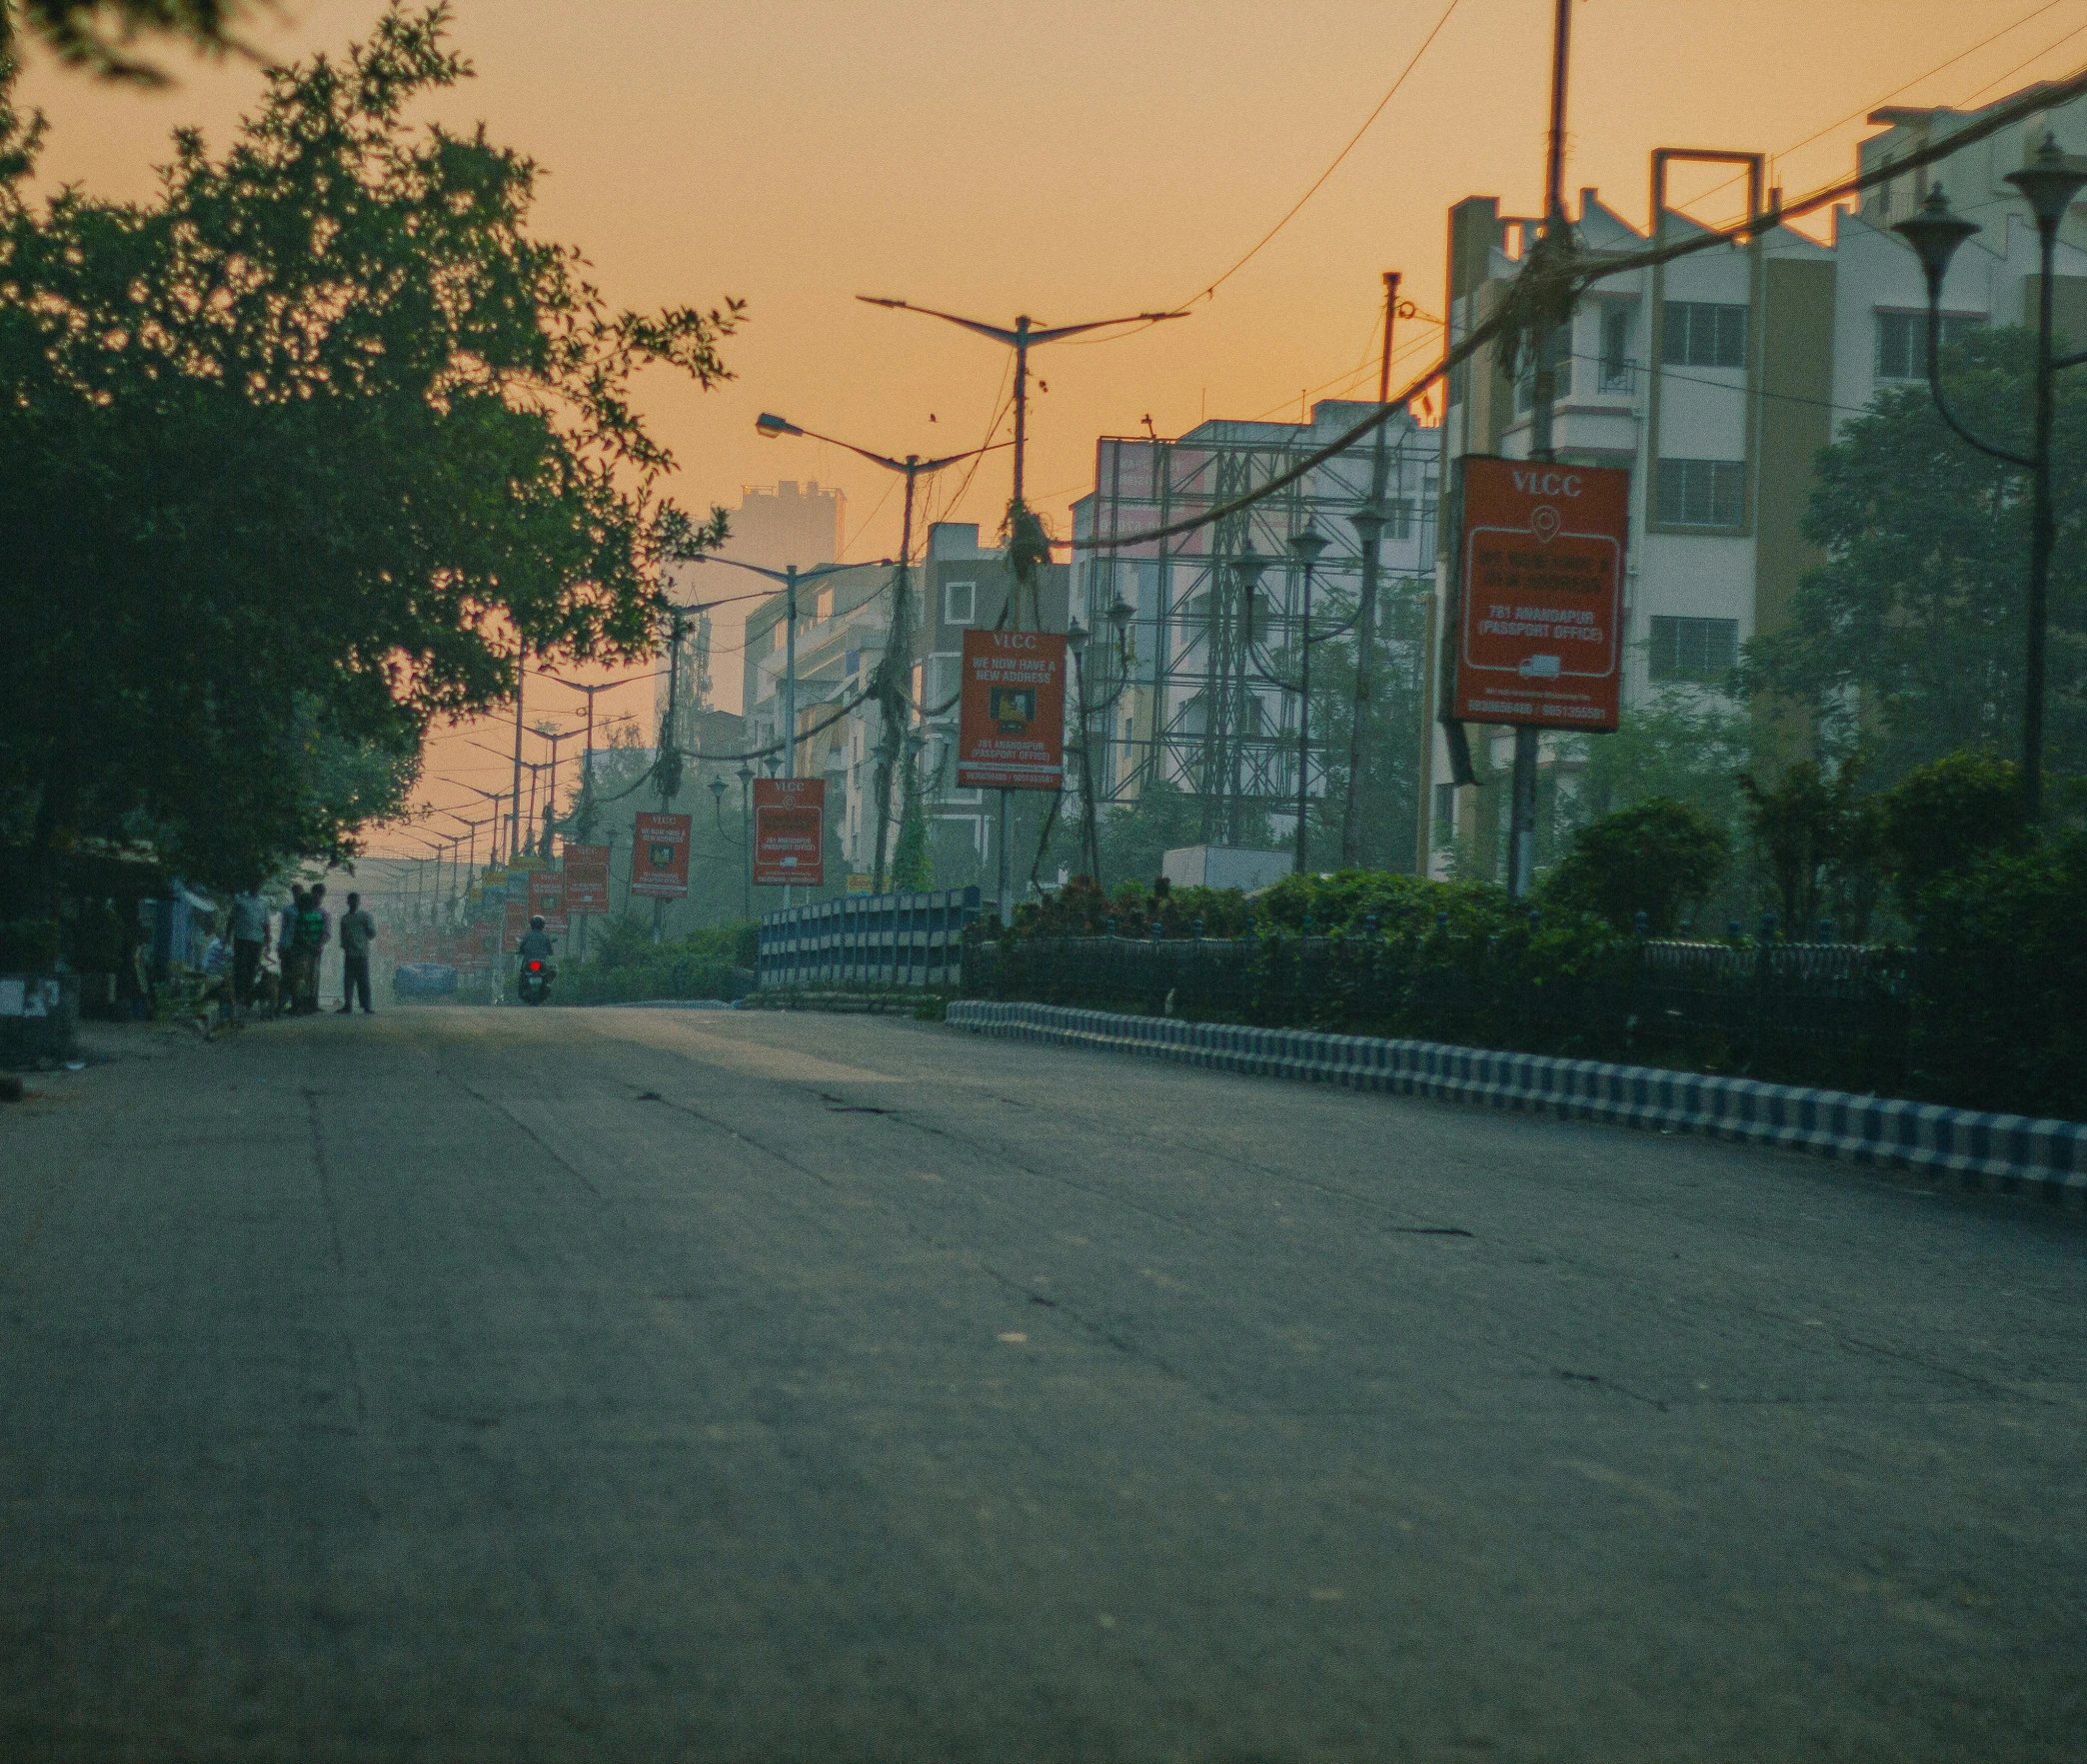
pixel 536 946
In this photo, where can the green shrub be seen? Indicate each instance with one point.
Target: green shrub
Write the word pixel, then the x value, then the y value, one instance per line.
pixel 1944 817
pixel 1657 856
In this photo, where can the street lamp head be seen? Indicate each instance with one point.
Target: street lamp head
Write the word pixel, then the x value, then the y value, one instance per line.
pixel 1935 233
pixel 1369 522
pixel 772 765
pixel 1075 637
pixel 716 788
pixel 745 775
pixel 914 743
pixel 2048 183
pixel 771 426
pixel 1250 564
pixel 1306 546
pixel 1121 612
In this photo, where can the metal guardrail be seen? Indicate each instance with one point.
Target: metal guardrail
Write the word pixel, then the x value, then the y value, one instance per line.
pixel 871 943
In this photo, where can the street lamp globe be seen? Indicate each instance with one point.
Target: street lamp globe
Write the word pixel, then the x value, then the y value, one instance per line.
pixel 1075 637
pixel 1250 564
pixel 1306 546
pixel 2049 182
pixel 716 788
pixel 745 775
pixel 1935 233
pixel 1121 612
pixel 772 765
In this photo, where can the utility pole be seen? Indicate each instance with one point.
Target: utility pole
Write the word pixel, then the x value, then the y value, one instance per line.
pixel 1368 522
pixel 1521 841
pixel 515 818
pixel 667 776
pixel 1023 542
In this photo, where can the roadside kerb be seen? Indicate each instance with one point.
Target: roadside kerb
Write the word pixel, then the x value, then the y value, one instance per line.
pixel 2005 1152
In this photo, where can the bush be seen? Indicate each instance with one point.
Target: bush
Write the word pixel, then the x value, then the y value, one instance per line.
pixel 624 965
pixel 1657 856
pixel 2002 971
pixel 1082 909
pixel 1942 818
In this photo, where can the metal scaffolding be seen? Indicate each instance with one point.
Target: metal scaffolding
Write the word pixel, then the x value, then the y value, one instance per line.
pixel 1203 693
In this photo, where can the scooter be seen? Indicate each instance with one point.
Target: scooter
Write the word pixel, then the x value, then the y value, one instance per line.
pixel 533 984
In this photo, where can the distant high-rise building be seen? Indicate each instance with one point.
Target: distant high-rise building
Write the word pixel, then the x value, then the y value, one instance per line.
pixel 792 524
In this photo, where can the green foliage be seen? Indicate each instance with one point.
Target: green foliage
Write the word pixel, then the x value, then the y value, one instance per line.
pixel 96 34
pixel 913 863
pixel 1135 836
pixel 295 457
pixel 623 964
pixel 2002 971
pixel 1685 745
pixel 1808 830
pixel 1082 909
pixel 1908 643
pixel 1943 818
pixel 1657 856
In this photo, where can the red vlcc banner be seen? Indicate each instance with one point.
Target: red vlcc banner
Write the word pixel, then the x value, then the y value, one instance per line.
pixel 586 878
pixel 789 831
pixel 547 898
pixel 1540 639
pixel 660 856
pixel 1011 728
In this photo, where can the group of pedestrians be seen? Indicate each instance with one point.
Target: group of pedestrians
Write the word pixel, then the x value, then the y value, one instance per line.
pixel 304 930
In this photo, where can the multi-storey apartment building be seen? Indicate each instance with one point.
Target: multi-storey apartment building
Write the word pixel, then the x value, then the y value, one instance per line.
pixel 1716 379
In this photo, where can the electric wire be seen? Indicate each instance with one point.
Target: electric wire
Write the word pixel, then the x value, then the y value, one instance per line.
pixel 1318 183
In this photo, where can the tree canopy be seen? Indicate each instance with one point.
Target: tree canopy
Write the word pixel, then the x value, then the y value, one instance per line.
pixel 301 456
pixel 1909 642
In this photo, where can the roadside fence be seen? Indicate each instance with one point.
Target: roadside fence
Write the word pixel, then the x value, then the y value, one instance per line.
pixel 869 942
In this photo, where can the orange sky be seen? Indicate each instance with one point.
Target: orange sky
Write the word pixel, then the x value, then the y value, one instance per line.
pixel 1074 160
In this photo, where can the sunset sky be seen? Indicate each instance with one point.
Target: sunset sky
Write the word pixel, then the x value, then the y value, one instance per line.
pixel 1075 161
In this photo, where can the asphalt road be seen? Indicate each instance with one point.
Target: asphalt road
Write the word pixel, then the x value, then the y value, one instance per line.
pixel 646 1384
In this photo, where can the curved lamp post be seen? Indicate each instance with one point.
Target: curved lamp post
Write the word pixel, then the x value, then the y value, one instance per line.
pixel 2048 183
pixel 1305 547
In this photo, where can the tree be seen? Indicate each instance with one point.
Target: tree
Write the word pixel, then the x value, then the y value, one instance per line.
pixel 1942 818
pixel 1135 836
pixel 1657 856
pixel 1809 829
pixel 1909 642
pixel 299 458
pixel 96 34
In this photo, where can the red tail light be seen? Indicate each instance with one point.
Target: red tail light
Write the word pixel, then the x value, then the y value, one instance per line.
pixel 536 968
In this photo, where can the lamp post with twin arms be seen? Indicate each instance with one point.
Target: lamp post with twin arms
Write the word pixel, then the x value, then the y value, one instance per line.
pixel 2049 182
pixel 896 662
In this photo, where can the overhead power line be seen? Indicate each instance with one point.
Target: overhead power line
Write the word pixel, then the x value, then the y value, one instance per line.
pixel 1318 182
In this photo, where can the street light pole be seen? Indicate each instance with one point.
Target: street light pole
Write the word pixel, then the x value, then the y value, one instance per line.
pixel 1368 522
pixel 745 778
pixel 514 818
pixel 1305 547
pixel 1023 544
pixel 2049 182
pixel 897 657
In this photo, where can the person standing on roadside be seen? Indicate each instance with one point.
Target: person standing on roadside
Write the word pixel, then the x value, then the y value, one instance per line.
pixel 314 933
pixel 249 938
pixel 358 931
pixel 289 954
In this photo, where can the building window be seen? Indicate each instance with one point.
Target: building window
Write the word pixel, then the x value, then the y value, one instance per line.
pixel 960 601
pixel 1701 493
pixel 1694 649
pixel 1400 513
pixel 1902 343
pixel 1615 348
pixel 1703 334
